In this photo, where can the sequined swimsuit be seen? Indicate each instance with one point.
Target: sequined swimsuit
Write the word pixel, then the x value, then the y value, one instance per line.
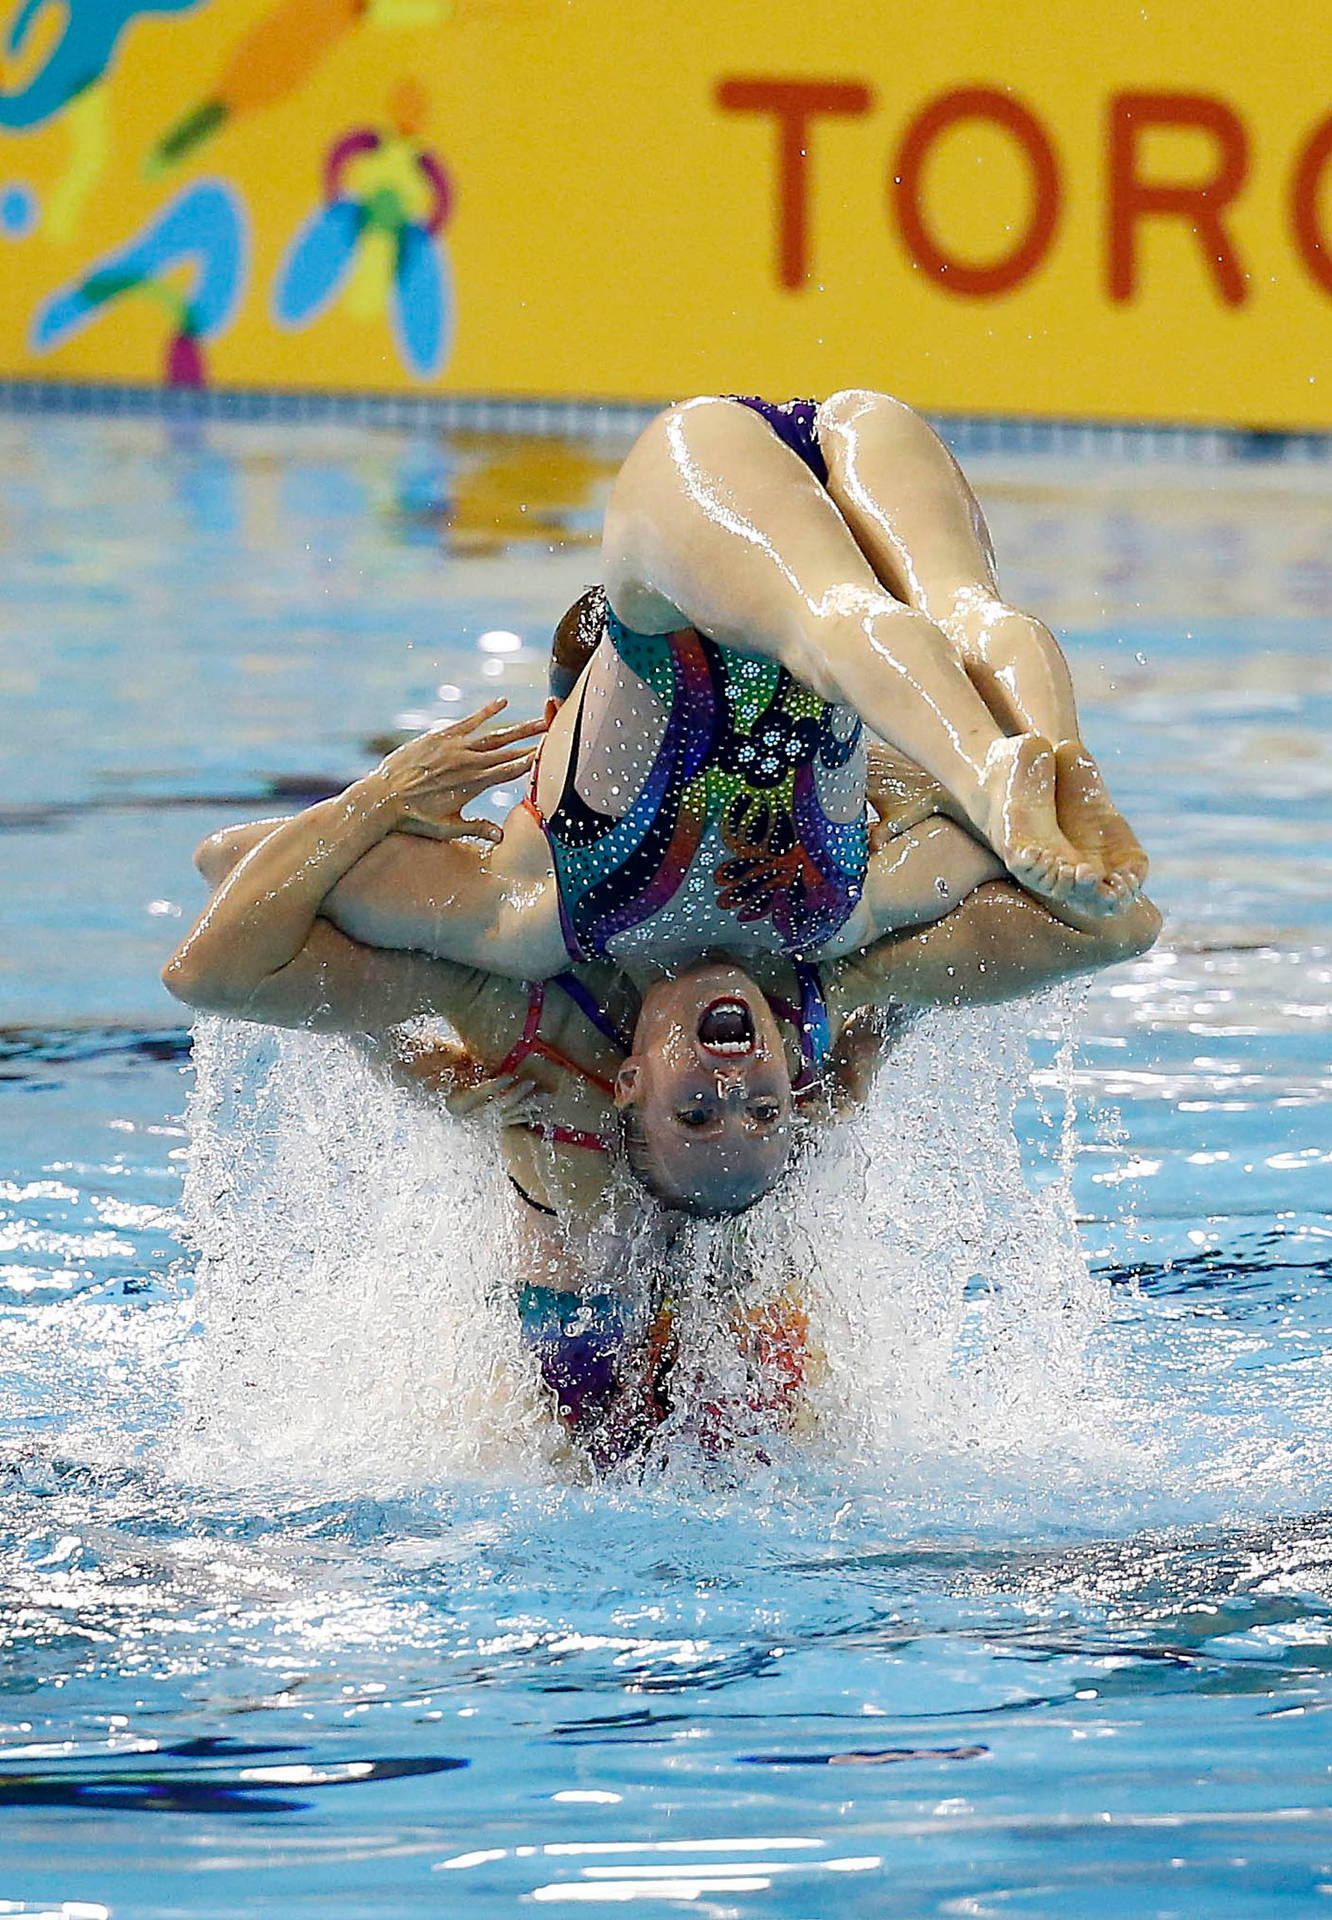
pixel 741 759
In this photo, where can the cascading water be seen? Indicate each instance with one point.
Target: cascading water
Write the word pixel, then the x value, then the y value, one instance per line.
pixel 354 1248
pixel 357 1265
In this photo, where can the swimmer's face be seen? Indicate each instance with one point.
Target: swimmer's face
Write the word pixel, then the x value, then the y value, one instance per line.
pixel 710 1091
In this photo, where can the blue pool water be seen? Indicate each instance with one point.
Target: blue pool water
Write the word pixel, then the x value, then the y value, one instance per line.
pixel 297 1617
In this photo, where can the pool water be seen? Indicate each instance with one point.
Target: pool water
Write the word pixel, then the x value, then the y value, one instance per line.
pixel 1042 1625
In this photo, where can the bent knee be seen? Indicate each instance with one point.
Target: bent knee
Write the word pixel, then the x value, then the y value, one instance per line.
pixel 862 410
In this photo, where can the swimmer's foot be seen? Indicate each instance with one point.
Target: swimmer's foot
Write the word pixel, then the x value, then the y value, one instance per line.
pixel 1023 827
pixel 1102 835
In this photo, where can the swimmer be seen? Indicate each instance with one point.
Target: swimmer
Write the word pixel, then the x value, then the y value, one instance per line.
pixel 696 799
pixel 704 785
pixel 684 1081
pixel 842 542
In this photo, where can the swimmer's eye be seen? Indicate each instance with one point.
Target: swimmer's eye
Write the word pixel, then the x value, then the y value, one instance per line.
pixel 693 1116
pixel 766 1111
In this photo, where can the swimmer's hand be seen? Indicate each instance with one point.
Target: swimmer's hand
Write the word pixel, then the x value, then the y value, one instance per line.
pixel 428 782
pixel 902 794
pixel 516 1101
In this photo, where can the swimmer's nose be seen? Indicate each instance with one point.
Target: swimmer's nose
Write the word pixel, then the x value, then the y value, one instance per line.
pixel 731 1087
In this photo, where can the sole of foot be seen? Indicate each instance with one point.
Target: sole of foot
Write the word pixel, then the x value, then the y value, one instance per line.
pixel 1090 819
pixel 1023 826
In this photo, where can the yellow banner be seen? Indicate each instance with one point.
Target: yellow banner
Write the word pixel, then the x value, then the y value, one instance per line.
pixel 1044 208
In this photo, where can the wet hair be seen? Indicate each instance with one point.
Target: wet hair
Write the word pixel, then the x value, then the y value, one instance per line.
pixel 577 638
pixel 638 1158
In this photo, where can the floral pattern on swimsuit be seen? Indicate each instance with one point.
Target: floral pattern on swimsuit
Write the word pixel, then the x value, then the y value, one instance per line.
pixel 743 749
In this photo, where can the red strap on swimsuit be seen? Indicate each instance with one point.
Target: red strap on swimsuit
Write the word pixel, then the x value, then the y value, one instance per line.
pixel 572 1137
pixel 530 1042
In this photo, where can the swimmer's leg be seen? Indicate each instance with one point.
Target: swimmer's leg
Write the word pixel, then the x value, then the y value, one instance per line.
pixel 918 523
pixel 713 522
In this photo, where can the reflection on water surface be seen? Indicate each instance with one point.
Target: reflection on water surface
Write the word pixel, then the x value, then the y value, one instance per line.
pixel 1024 1663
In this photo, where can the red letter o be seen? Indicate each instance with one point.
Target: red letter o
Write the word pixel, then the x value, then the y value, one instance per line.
pixel 962 276
pixel 1309 169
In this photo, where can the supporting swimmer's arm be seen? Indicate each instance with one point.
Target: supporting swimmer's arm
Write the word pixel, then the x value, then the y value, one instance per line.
pixel 217 855
pixel 263 914
pixel 335 985
pixel 902 795
pixel 918 877
pixel 999 944
pixel 922 876
pixel 495 907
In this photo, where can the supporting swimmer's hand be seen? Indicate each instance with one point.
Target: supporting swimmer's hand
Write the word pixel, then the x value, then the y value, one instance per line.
pixel 515 1100
pixel 428 781
pixel 902 794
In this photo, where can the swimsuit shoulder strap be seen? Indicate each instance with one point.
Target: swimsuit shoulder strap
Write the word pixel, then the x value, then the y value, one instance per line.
pixel 811 1022
pixel 530 1042
pixel 592 1010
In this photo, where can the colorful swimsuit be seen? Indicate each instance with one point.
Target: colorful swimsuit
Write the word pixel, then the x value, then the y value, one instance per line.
pixel 614 1387
pixel 796 424
pixel 744 755
pixel 741 759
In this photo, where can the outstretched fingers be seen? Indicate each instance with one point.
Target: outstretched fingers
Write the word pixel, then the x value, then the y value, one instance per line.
pixel 499 738
pixel 493 770
pixel 493 736
pixel 471 721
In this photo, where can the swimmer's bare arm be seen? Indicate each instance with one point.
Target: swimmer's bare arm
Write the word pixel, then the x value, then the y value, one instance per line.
pixel 335 985
pixel 492 906
pixel 921 865
pixel 437 1069
pixel 916 878
pixel 262 919
pixel 999 944
pixel 495 907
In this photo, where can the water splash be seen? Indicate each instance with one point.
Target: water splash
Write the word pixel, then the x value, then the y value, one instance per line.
pixel 357 1259
pixel 955 1299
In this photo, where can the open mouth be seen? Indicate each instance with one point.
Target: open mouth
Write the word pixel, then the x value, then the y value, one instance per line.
pixel 727 1026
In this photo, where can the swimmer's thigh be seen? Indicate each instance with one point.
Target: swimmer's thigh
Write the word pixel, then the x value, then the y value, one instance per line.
pixel 906 500
pixel 714 523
